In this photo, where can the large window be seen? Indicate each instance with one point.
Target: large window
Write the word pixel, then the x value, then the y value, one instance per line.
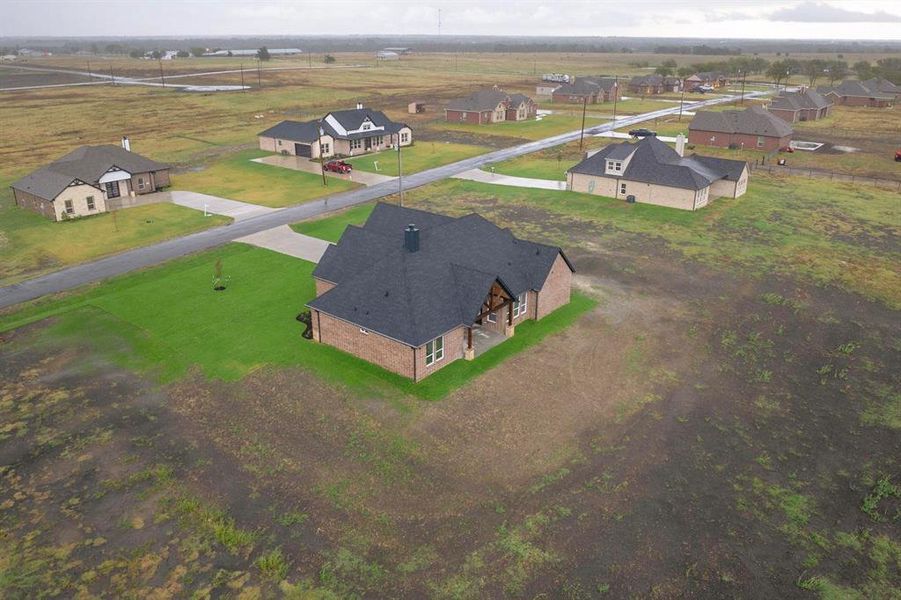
pixel 405 137
pixel 356 144
pixel 434 350
pixel 69 208
pixel 520 305
pixel 90 200
pixel 112 189
pixel 326 148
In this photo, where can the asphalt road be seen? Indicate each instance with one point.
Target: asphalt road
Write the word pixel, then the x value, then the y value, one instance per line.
pixel 139 258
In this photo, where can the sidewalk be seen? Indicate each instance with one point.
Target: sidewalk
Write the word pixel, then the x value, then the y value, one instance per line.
pixel 218 206
pixel 498 179
pixel 285 240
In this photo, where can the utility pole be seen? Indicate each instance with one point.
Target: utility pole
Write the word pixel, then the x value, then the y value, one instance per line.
pixel 682 100
pixel 400 181
pixel 584 107
pixel 743 77
pixel 310 57
pixel 321 157
pixel 260 73
pixel 91 75
pixel 162 79
pixel 112 79
pixel 242 78
pixel 615 96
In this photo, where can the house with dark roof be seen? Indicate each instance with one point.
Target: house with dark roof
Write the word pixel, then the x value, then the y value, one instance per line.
pixel 654 84
pixel 714 79
pixel 349 132
pixel 490 105
pixel 884 86
pixel 413 291
pixel 803 105
pixel 88 181
pixel 588 89
pixel 853 92
pixel 754 128
pixel 651 172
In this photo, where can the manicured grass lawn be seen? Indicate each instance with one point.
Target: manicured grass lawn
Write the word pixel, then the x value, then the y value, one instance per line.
pixel 535 166
pixel 31 244
pixel 418 157
pixel 331 228
pixel 821 231
pixel 168 320
pixel 238 178
pixel 532 130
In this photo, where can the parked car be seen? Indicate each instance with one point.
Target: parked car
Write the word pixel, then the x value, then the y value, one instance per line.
pixel 897 155
pixel 786 149
pixel 338 166
pixel 642 132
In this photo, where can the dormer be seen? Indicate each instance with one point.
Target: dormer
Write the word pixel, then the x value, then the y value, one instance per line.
pixel 618 159
pixel 614 167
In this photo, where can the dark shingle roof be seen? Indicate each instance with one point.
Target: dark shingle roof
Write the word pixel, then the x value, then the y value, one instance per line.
pixel 808 99
pixel 413 297
pixel 882 85
pixel 300 131
pixel 754 120
pixel 480 100
pixel 654 162
pixel 583 86
pixel 87 164
pixel 308 131
pixel 853 87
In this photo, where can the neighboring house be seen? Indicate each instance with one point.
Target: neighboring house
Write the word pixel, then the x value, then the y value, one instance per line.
pixel 399 50
pixel 714 79
pixel 805 105
pixel 653 173
pixel 412 291
pixel 255 51
pixel 884 86
pixel 546 89
pixel 754 128
pixel 852 92
pixel 88 181
pixel 386 55
pixel 588 89
pixel 339 133
pixel 492 105
pixel 654 84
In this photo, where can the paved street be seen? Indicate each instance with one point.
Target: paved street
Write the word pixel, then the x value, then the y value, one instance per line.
pixel 140 258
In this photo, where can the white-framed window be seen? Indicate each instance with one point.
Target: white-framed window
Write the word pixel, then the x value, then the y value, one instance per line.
pixel 491 317
pixel 366 126
pixel 356 144
pixel 520 305
pixel 70 209
pixel 90 201
pixel 326 148
pixel 405 136
pixel 622 188
pixel 434 350
pixel 140 183
pixel 760 141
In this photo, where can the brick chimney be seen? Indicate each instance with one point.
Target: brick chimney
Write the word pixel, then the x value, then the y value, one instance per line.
pixel 411 238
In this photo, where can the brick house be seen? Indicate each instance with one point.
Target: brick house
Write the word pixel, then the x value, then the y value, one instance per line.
pixel 753 128
pixel 714 79
pixel 883 86
pixel 413 291
pixel 653 173
pixel 654 84
pixel 852 92
pixel 89 180
pixel 491 105
pixel 804 105
pixel 339 133
pixel 588 89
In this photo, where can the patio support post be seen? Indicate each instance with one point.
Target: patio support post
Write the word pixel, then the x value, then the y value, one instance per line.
pixel 509 329
pixel 469 352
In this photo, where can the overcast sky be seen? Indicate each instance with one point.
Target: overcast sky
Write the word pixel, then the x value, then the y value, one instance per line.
pixel 826 19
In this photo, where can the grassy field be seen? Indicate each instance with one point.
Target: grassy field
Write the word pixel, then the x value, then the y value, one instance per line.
pixel 420 156
pixel 331 228
pixel 31 244
pixel 531 130
pixel 236 177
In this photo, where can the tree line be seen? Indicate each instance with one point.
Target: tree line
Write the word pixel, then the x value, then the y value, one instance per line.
pixel 777 71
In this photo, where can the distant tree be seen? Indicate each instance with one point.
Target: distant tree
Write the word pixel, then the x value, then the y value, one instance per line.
pixel 838 69
pixel 328 59
pixel 136 53
pixel 95 48
pixel 889 68
pixel 263 53
pixel 156 55
pixel 841 56
pixel 863 69
pixel 198 52
pixel 685 71
pixel 664 70
pixel 182 54
pixel 778 71
pixel 813 69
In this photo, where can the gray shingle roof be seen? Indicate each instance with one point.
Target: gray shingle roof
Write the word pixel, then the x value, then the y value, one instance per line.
pixel 299 131
pixel 583 86
pixel 808 99
pixel 754 120
pixel 308 131
pixel 882 85
pixel 87 164
pixel 654 162
pixel 413 297
pixel 853 87
pixel 480 100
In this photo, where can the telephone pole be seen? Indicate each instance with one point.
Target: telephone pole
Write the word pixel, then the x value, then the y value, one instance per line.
pixel 112 79
pixel 584 107
pixel 243 89
pixel 615 96
pixel 682 100
pixel 260 73
pixel 162 79
pixel 321 157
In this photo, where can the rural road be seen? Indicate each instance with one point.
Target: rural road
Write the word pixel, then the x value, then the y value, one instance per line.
pixel 139 258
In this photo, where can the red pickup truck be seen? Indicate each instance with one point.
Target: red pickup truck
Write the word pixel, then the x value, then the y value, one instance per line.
pixel 338 166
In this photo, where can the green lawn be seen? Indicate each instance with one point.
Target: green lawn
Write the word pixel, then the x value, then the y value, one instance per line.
pixel 532 130
pixel 820 231
pixel 535 166
pixel 418 157
pixel 168 320
pixel 237 178
pixel 31 244
pixel 331 228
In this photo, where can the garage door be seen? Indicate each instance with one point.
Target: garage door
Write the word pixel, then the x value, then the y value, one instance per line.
pixel 303 150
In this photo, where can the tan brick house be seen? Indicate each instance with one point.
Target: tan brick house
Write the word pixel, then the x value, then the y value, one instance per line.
pixel 803 105
pixel 492 105
pixel 89 180
pixel 413 291
pixel 591 90
pixel 654 84
pixel 754 128
pixel 339 133
pixel 651 172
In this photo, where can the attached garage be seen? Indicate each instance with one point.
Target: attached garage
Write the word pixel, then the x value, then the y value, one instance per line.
pixel 305 150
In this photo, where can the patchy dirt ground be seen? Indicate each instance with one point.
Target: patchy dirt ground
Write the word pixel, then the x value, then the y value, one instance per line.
pixel 700 434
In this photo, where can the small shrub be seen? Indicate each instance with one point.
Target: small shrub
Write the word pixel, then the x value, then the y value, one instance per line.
pixel 884 488
pixel 273 565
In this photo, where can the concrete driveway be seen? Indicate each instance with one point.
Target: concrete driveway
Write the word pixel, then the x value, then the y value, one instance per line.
pixel 298 163
pixel 285 240
pixel 218 206
pixel 498 179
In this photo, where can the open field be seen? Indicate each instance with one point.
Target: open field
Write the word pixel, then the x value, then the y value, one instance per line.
pixel 724 422
pixel 236 177
pixel 420 156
